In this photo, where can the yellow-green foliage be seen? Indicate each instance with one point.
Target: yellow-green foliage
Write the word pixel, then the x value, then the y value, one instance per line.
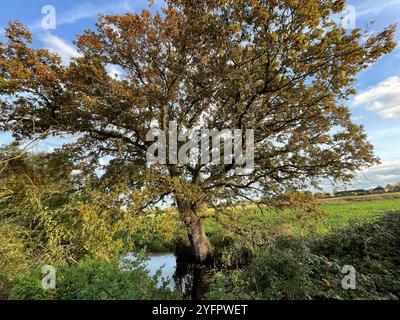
pixel 157 231
pixel 46 218
pixel 14 258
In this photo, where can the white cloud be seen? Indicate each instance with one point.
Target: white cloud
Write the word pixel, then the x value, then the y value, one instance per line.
pixel 385 167
pixel 67 51
pixel 380 175
pixel 59 46
pixel 375 8
pixel 384 134
pixel 357 118
pixel 387 172
pixel 86 10
pixel 384 98
pixel 91 10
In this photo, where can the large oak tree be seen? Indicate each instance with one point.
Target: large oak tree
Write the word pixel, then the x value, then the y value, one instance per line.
pixel 280 67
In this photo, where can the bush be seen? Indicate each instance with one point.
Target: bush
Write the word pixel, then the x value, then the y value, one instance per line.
pixel 292 268
pixel 94 280
pixel 238 236
pixel 14 256
pixel 285 270
pixel 158 231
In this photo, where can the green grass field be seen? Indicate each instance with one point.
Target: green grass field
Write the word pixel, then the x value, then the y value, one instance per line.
pixel 288 222
pixel 160 232
pixel 340 215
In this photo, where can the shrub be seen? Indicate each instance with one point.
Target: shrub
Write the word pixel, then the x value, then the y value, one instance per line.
pixel 94 280
pixel 238 235
pixel 293 268
pixel 285 270
pixel 14 256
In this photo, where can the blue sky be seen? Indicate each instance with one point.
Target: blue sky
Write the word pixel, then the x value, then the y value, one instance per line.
pixel 376 105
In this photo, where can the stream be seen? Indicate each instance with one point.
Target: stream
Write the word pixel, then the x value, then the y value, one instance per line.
pixel 191 280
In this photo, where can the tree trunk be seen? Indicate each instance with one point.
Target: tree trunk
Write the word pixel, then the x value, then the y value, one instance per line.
pixel 201 247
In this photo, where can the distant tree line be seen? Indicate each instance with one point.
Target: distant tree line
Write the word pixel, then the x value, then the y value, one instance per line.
pixel 360 192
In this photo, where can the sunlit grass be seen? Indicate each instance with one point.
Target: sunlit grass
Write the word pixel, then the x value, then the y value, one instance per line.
pixel 255 223
pixel 290 222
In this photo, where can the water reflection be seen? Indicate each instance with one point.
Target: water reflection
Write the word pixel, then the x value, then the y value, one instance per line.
pixel 191 280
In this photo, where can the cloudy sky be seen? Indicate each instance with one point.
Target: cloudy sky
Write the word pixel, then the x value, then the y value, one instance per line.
pixel 376 105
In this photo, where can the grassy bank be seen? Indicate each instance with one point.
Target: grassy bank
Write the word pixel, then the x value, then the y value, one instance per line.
pixel 290 222
pixel 238 235
pixel 311 267
pixel 161 232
